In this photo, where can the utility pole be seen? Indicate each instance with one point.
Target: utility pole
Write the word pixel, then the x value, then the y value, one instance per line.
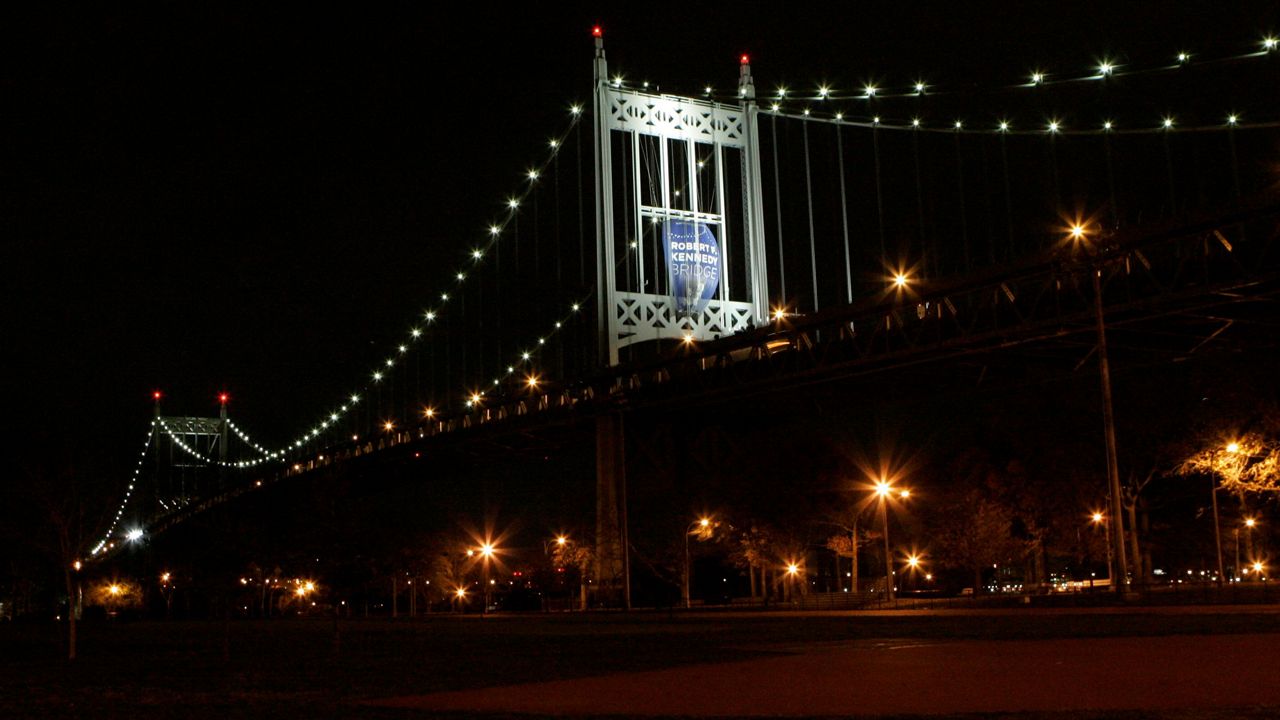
pixel 1120 580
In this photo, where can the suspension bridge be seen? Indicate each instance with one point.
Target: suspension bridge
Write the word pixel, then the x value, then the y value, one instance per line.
pixel 680 251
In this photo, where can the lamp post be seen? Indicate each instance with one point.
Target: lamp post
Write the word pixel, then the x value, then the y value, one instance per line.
pixel 1232 448
pixel 1120 576
pixel 913 567
pixel 486 554
pixel 701 523
pixel 883 490
pixel 1248 543
pixel 793 570
pixel 1099 519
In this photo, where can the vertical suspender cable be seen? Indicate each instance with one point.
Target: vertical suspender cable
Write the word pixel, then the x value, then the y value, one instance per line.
pixel 497 297
pixel 986 201
pixel 1168 164
pixel 462 341
pixel 582 243
pixel 777 201
pixel 536 264
pixel 844 218
pixel 555 184
pixel 1008 197
pixel 875 152
pixel 582 237
pixel 1053 167
pixel 915 151
pixel 964 218
pixel 808 189
pixel 1235 163
pixel 1111 182
pixel 448 360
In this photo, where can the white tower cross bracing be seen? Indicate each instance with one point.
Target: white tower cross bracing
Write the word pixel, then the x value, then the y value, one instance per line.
pixel 679 257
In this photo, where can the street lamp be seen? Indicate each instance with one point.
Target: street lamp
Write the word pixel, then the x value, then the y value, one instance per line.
pixel 701 524
pixel 486 554
pixel 1232 448
pixel 1249 524
pixel 913 567
pixel 883 491
pixel 793 571
pixel 1099 519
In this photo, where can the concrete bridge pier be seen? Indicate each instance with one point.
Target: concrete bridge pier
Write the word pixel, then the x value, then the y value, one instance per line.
pixel 612 565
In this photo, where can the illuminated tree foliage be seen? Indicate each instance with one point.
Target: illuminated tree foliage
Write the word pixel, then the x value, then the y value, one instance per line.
pixel 1250 463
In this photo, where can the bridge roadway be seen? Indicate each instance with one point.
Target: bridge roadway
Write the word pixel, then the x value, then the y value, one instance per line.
pixel 1183 278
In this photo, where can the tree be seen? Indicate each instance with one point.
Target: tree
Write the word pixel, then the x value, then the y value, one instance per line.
pixel 753 548
pixel 1250 463
pixel 52 503
pixel 845 544
pixel 581 557
pixel 976 534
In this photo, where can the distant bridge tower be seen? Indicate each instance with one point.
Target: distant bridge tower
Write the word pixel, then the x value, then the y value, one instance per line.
pixel 679 221
pixel 190 457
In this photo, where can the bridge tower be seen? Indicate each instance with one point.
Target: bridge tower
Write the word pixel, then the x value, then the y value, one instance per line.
pixel 680 250
pixel 191 457
pixel 679 222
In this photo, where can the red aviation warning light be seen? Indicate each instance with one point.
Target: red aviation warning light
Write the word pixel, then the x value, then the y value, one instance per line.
pixel 745 59
pixel 155 395
pixel 596 31
pixel 223 398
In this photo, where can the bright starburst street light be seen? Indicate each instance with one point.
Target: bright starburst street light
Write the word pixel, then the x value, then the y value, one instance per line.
pixel 134 535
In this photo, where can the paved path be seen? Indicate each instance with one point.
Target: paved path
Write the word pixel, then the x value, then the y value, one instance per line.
pixel 890 677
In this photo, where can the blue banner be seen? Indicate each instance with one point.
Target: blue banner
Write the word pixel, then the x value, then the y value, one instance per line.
pixel 693 264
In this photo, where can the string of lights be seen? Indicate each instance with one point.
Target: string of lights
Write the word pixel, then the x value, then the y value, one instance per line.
pixel 105 542
pixel 1099 70
pixel 249 441
pixel 416 334
pixel 527 357
pixel 239 464
pixel 1053 126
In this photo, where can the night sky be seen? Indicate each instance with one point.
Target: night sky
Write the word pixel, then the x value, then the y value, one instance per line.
pixel 258 201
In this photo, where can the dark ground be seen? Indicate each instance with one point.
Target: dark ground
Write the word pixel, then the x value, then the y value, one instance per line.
pixel 296 668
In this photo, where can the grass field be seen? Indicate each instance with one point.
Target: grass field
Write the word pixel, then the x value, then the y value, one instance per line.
pixel 316 668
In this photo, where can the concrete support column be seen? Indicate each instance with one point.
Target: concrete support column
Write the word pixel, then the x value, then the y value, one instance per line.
pixel 612 566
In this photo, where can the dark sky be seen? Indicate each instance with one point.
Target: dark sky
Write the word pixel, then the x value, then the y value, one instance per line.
pixel 202 198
